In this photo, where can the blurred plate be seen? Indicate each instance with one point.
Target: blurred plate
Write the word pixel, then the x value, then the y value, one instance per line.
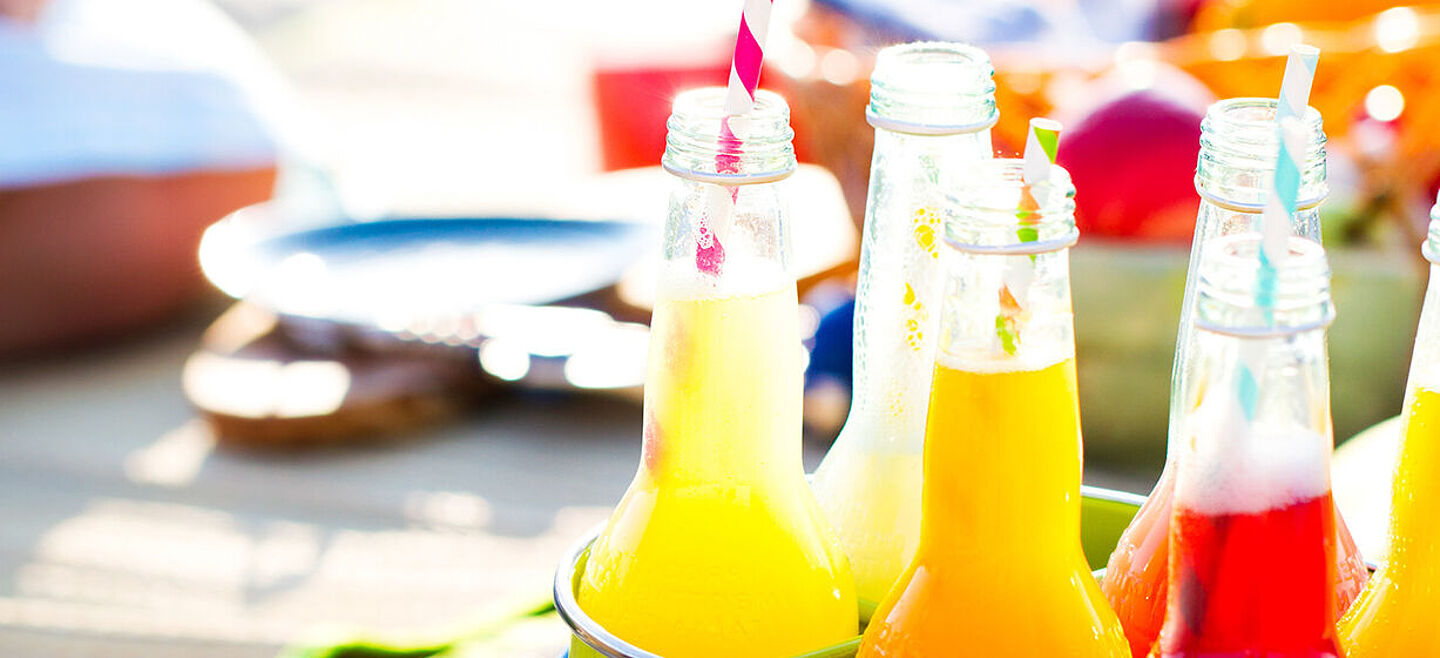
pixel 389 273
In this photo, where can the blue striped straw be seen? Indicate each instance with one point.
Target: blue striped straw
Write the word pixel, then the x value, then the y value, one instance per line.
pixel 1285 186
pixel 1279 210
pixel 1276 220
pixel 1295 86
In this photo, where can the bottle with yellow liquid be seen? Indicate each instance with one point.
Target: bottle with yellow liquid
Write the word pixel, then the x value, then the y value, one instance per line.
pixel 932 105
pixel 718 548
pixel 999 570
pixel 1399 612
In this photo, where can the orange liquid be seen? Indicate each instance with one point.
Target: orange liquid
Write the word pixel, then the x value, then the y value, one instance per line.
pixel 999 570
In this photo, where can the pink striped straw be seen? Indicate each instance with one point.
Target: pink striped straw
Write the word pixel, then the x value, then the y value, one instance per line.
pixel 745 68
pixel 749 54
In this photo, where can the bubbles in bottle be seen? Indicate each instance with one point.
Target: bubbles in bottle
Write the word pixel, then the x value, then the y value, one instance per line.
pixel 1238 467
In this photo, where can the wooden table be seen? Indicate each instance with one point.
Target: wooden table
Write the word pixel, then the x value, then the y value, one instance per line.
pixel 123 532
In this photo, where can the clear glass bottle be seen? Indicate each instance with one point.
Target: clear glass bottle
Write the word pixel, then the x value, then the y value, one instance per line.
pixel 718 547
pixel 1252 535
pixel 1397 613
pixel 999 570
pixel 932 105
pixel 1237 163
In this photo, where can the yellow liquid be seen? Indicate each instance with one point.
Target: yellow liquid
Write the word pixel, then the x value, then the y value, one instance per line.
pixel 718 548
pixel 1398 614
pixel 876 513
pixel 999 571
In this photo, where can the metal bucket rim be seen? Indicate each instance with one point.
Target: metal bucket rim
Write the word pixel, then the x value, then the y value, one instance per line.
pixel 581 625
pixel 1111 495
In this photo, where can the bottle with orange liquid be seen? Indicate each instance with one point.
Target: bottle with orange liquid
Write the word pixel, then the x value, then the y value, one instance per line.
pixel 1398 612
pixel 1252 537
pixel 1237 160
pixel 718 547
pixel 932 105
pixel 999 570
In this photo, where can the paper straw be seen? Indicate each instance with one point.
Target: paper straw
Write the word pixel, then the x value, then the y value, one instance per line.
pixel 1275 222
pixel 1038 160
pixel 1285 185
pixel 749 54
pixel 1040 147
pixel 1278 217
pixel 745 67
pixel 1295 86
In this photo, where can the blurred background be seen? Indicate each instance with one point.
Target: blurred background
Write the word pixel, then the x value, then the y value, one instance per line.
pixel 322 322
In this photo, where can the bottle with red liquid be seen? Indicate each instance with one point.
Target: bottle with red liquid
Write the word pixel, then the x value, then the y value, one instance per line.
pixel 1237 161
pixel 1252 533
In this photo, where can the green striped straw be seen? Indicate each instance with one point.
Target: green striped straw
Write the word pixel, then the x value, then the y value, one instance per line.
pixel 1040 147
pixel 1039 158
pixel 1279 212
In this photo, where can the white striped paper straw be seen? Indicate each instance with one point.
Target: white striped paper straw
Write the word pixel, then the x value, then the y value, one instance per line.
pixel 745 66
pixel 1295 86
pixel 1037 163
pixel 1278 217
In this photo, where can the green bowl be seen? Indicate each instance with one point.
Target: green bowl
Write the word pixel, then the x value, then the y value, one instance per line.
pixel 1104 516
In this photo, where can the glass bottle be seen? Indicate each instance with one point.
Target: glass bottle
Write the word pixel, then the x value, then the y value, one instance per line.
pixel 1397 613
pixel 1237 162
pixel 718 547
pixel 1252 534
pixel 932 105
pixel 999 570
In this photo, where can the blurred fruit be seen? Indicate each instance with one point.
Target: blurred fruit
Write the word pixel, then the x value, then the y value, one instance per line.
pixel 1133 160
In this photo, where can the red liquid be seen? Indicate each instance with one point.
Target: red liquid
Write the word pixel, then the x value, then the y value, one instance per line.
pixel 1253 585
pixel 1137 575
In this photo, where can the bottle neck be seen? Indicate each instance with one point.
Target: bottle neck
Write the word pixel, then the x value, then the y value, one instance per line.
pixel 1002 438
pixel 1213 221
pixel 704 142
pixel 723 241
pixel 897 302
pixel 1010 311
pixel 724 381
pixel 1002 449
pixel 1238 145
pixel 1416 492
pixel 723 384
